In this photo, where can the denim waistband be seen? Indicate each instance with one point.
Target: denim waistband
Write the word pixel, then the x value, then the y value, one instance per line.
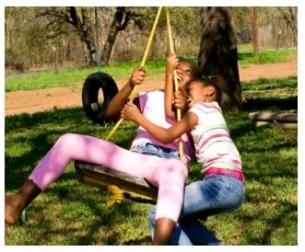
pixel 156 150
pixel 164 149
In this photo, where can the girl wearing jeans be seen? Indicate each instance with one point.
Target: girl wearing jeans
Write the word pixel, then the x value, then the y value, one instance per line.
pixel 222 187
pixel 143 143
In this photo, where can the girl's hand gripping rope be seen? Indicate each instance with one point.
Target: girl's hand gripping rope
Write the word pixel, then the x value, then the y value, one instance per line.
pixel 137 77
pixel 131 112
pixel 171 63
pixel 180 101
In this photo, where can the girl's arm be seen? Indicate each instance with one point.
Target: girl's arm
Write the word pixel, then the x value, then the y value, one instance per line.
pixel 132 113
pixel 172 62
pixel 117 103
pixel 180 101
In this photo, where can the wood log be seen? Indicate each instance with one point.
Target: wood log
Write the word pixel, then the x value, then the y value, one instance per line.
pixel 276 117
pixel 101 176
pixel 284 125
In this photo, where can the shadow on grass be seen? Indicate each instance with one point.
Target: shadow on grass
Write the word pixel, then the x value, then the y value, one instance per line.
pixel 285 212
pixel 58 116
pixel 139 241
pixel 39 132
pixel 29 137
pixel 253 104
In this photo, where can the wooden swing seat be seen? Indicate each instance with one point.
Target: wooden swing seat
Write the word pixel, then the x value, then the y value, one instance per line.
pixel 134 188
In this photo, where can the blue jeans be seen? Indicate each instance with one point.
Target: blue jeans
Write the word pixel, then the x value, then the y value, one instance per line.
pixel 155 150
pixel 211 195
pixel 189 230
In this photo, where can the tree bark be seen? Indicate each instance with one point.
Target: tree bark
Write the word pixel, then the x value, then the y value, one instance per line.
pixel 79 19
pixel 80 22
pixel 254 30
pixel 119 23
pixel 218 53
pixel 85 32
pixel 290 16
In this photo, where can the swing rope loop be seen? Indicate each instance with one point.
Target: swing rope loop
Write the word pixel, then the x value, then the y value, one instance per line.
pixel 134 89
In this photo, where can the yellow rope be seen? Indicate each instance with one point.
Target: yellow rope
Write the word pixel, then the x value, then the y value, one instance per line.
pixel 134 90
pixel 116 194
pixel 171 49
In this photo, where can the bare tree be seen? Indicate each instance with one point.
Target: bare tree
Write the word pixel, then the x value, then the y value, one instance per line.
pixel 290 16
pixel 218 53
pixel 121 19
pixel 78 19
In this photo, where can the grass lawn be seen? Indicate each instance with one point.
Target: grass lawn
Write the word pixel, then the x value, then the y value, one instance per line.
pixel 75 77
pixel 69 212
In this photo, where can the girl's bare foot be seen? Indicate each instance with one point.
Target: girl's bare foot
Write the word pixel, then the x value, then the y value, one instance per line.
pixel 12 209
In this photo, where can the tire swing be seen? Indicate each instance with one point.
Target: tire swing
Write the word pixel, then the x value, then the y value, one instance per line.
pixel 93 83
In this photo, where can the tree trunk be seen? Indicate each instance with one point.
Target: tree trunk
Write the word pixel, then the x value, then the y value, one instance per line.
pixel 254 30
pixel 85 32
pixel 78 19
pixel 119 23
pixel 218 53
pixel 290 16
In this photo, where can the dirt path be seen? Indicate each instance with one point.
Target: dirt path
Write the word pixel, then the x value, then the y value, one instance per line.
pixel 46 99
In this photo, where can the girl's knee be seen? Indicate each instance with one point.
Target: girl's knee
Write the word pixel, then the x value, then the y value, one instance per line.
pixel 67 144
pixel 176 168
pixel 66 140
pixel 66 137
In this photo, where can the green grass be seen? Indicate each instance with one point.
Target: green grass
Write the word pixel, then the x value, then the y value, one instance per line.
pixel 271 90
pixel 267 57
pixel 75 77
pixel 72 213
pixel 243 48
pixel 265 84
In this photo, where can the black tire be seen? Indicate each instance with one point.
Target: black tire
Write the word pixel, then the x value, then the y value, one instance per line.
pixel 94 111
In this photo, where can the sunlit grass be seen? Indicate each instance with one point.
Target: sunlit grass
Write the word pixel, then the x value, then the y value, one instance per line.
pixel 75 78
pixel 266 57
pixel 72 213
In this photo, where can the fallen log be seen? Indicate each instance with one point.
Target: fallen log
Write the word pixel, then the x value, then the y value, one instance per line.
pixel 284 125
pixel 286 119
pixel 280 117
